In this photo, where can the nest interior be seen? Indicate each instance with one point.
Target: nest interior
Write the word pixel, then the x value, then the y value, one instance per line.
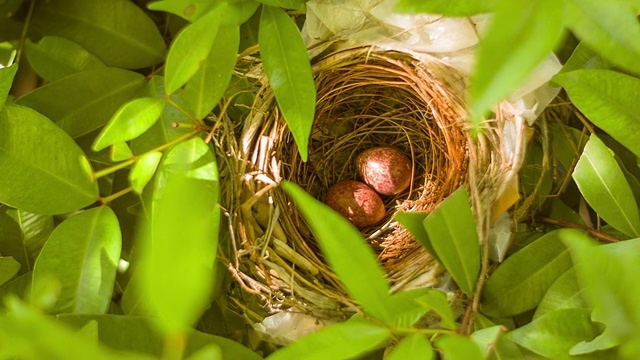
pixel 366 97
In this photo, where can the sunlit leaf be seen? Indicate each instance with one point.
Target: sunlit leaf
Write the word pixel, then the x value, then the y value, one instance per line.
pixel 120 151
pixel 209 352
pixel 83 254
pixel 138 335
pixel 452 230
pixel 178 242
pixel 9 268
pixel 456 347
pixel 583 57
pixel 6 80
pixel 412 221
pixel 611 28
pixel 345 250
pixel 555 333
pixel 35 178
pixel 287 4
pixel 287 66
pixel 143 170
pixel 130 121
pixel 340 341
pixel 605 188
pixel 445 7
pixel 22 235
pixel 608 99
pixel 55 57
pixel 236 12
pixel 565 293
pixel 412 347
pixel 406 308
pixel 117 32
pixel 487 338
pixel 206 87
pixel 531 28
pixel 521 281
pixel 436 301
pixel 190 49
pixel 85 101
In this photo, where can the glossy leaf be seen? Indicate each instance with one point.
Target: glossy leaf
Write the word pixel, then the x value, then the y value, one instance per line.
pixel 36 336
pixel 136 334
pixel 55 57
pixel 130 121
pixel 83 254
pixel 340 341
pixel 608 273
pixel 6 80
pixel 143 170
pixel 120 151
pixel 605 188
pixel 555 333
pixel 452 230
pixel 85 101
pixel 436 301
pixel 190 49
pixel 345 250
pixel 287 66
pixel 236 12
pixel 412 347
pixel 445 7
pixel 608 99
pixel 610 28
pixel 32 177
pixel 206 87
pixel 412 221
pixel 22 235
pixel 521 281
pixel 583 57
pixel 118 32
pixel 565 293
pixel 178 243
pixel 532 28
pixel 456 347
pixel 9 268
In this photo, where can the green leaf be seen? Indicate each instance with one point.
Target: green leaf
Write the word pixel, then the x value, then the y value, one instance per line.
pixel 177 276
pixel 287 4
pixel 531 28
pixel 138 335
pixel 555 333
pixel 412 221
pixel 609 274
pixel 605 188
pixel 22 235
pixel 608 99
pixel 565 293
pixel 567 144
pixel 452 230
pixel 130 121
pixel 611 28
pixel 445 7
pixel 503 349
pixel 456 347
pixel 6 80
pixel 55 57
pixel 605 341
pixel 236 12
pixel 415 346
pixel 41 169
pixel 287 66
pixel 143 170
pixel 209 352
pixel 85 101
pixel 436 301
pixel 83 254
pixel 9 268
pixel 190 49
pixel 487 338
pixel 521 281
pixel 10 29
pixel 345 250
pixel 583 57
pixel 118 32
pixel 18 286
pixel 340 341
pixel 120 151
pixel 31 335
pixel 407 310
pixel 206 87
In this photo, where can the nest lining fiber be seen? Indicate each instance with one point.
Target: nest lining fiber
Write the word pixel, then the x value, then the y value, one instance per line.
pixel 366 97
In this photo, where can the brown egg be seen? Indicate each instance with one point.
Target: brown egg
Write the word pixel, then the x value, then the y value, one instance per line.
pixel 387 170
pixel 357 202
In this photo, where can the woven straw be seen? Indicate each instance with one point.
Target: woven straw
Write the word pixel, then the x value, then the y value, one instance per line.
pixel 366 97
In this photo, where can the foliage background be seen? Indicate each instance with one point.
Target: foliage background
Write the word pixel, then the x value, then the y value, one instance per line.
pixel 112 240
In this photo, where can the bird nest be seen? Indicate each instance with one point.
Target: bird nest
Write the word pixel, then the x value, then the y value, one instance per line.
pixel 366 97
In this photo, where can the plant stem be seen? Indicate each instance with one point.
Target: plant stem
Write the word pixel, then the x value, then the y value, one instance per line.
pixel 198 122
pixel 25 29
pixel 108 199
pixel 593 232
pixel 422 331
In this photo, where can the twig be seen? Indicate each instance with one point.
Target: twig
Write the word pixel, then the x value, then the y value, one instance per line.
pixel 593 232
